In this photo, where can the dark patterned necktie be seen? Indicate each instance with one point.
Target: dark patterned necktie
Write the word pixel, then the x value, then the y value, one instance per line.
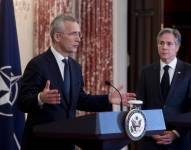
pixel 66 79
pixel 165 82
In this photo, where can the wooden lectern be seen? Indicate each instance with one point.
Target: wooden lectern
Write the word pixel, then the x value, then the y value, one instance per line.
pixel 100 131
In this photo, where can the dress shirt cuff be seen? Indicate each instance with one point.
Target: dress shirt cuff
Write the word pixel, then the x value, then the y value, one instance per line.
pixel 40 103
pixel 176 133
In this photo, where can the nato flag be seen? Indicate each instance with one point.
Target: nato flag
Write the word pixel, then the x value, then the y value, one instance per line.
pixel 11 120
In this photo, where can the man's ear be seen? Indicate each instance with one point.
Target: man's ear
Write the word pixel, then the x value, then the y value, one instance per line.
pixel 177 48
pixel 57 37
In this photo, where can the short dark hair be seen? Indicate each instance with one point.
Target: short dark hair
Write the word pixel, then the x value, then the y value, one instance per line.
pixel 173 31
pixel 56 24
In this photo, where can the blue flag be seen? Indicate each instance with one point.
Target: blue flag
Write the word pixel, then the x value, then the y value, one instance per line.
pixel 11 120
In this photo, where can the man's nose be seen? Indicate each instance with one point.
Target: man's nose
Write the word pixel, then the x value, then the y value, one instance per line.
pixel 78 38
pixel 165 46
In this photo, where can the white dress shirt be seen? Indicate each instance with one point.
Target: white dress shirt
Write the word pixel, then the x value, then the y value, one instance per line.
pixel 171 70
pixel 61 66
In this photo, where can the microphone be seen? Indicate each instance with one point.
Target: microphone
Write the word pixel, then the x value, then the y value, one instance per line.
pixel 109 84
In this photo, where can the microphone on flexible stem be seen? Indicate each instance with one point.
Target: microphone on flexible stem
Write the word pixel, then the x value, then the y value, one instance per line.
pixel 109 84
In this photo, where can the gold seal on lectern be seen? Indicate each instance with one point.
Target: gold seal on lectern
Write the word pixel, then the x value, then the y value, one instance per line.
pixel 135 124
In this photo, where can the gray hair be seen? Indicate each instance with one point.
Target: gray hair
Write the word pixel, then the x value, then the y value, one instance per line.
pixel 175 32
pixel 58 22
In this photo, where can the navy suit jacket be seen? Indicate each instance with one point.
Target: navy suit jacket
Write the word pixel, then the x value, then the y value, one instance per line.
pixel 40 69
pixel 178 99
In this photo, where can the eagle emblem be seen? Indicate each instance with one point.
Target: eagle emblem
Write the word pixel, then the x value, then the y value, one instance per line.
pixel 135 124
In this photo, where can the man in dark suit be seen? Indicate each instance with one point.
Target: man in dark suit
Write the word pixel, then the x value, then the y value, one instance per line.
pixel 43 95
pixel 167 85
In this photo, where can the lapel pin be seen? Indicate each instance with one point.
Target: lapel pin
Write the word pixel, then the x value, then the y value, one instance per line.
pixel 179 72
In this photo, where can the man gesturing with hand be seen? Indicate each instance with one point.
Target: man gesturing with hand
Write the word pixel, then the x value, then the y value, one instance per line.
pixel 52 87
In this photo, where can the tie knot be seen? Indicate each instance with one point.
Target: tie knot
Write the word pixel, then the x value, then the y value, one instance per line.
pixel 166 67
pixel 65 61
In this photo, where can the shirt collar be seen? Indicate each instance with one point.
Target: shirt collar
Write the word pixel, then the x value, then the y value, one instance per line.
pixel 172 64
pixel 57 55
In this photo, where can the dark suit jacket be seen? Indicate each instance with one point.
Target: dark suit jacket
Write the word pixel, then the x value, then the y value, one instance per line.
pixel 178 99
pixel 40 69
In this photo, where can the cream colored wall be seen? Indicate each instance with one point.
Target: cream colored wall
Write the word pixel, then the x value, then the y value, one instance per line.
pixel 120 56
pixel 24 22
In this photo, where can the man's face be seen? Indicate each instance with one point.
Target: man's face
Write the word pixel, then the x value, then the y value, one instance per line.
pixel 167 47
pixel 71 37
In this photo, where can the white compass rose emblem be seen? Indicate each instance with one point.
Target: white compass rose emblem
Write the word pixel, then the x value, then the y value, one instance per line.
pixel 8 89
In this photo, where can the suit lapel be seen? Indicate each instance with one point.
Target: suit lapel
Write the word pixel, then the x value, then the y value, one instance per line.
pixel 157 79
pixel 176 77
pixel 74 74
pixel 56 77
